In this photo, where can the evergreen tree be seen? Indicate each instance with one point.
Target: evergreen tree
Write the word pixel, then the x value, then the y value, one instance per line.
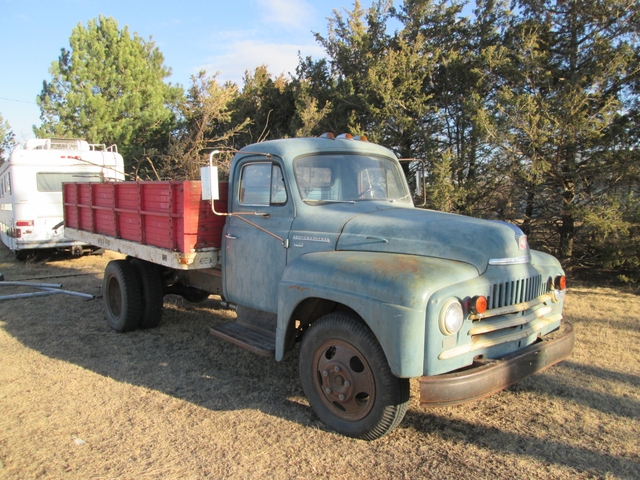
pixel 562 81
pixel 529 115
pixel 355 45
pixel 205 125
pixel 266 105
pixel 439 37
pixel 7 140
pixel 109 88
pixel 309 116
pixel 314 81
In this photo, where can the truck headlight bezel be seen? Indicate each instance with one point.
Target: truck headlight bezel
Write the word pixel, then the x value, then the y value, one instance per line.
pixel 451 317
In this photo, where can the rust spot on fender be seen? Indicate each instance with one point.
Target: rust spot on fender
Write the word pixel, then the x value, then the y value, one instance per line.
pixel 396 264
pixel 298 287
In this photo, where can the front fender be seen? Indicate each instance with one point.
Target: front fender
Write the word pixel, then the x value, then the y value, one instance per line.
pixel 388 291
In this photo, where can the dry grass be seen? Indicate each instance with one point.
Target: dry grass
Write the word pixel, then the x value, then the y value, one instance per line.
pixel 78 400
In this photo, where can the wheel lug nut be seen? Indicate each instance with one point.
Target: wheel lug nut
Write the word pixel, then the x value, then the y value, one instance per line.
pixel 327 390
pixel 347 383
pixel 325 373
pixel 341 397
pixel 336 368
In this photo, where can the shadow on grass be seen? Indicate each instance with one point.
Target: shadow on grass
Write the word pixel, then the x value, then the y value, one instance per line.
pixel 596 463
pixel 603 373
pixel 574 383
pixel 179 358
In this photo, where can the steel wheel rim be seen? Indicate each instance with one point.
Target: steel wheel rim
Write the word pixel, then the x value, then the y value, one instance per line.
pixel 114 296
pixel 344 380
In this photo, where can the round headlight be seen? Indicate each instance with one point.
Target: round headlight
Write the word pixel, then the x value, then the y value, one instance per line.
pixel 451 317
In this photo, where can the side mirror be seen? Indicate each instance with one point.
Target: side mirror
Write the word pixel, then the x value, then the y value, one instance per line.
pixel 209 179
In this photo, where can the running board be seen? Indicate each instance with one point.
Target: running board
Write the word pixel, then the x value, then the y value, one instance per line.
pixel 254 339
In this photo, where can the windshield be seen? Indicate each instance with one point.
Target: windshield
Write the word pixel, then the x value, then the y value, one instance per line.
pixel 349 178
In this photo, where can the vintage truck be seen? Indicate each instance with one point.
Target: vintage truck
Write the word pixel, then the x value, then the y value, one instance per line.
pixel 317 240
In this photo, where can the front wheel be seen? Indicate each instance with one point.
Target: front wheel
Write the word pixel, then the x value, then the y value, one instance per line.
pixel 346 377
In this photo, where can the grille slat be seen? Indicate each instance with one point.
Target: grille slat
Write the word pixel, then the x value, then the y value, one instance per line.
pixel 504 294
pixel 520 295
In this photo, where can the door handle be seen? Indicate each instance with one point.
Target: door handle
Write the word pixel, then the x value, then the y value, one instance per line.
pixel 230 237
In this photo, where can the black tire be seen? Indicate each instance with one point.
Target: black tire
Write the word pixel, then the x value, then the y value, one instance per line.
pixel 121 296
pixel 152 293
pixel 22 255
pixel 347 380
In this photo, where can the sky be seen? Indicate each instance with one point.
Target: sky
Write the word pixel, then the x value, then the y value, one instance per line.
pixel 225 36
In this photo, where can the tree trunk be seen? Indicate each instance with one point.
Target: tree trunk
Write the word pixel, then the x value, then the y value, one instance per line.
pixel 567 226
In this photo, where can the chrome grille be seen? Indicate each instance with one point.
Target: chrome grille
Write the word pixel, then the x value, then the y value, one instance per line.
pixel 510 292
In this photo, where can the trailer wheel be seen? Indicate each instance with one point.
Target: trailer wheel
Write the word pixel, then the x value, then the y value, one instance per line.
pixel 121 296
pixel 347 380
pixel 152 293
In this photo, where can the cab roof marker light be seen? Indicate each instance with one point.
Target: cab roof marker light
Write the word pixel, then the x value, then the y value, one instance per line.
pixel 328 135
pixel 345 136
pixel 362 138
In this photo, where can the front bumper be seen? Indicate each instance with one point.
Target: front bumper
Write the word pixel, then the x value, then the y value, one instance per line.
pixel 492 375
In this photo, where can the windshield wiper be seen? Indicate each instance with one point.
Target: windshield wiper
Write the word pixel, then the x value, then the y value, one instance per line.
pixel 318 202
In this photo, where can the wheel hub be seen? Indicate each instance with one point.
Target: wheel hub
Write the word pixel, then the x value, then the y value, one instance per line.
pixel 339 382
pixel 114 297
pixel 345 380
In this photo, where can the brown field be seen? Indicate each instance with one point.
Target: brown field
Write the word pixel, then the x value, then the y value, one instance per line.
pixel 78 400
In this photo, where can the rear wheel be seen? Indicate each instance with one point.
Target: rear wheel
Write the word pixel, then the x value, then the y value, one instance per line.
pixel 121 296
pixel 346 377
pixel 152 293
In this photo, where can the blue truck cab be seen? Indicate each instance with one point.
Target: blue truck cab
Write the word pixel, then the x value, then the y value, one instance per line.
pixel 323 245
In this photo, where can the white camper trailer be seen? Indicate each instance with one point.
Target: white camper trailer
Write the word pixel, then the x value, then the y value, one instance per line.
pixel 31 210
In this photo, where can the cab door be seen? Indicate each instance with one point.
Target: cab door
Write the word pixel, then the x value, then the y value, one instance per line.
pixel 255 236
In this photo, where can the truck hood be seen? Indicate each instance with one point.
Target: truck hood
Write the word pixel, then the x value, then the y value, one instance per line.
pixel 435 234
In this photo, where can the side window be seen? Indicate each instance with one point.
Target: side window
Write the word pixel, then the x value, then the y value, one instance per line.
pixel 262 184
